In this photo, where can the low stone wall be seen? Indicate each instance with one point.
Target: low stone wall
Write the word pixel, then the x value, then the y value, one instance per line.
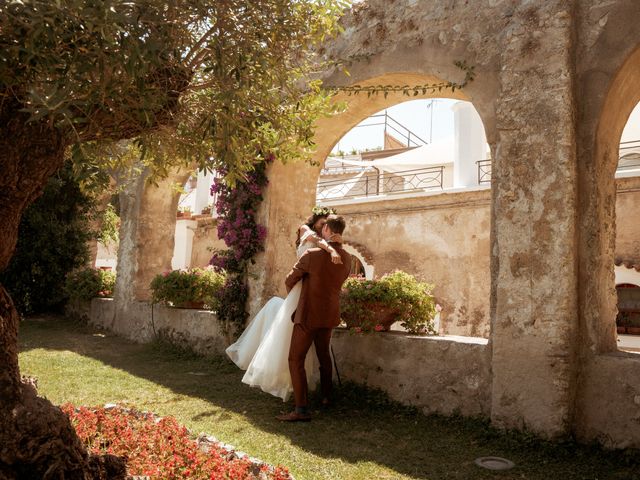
pixel 197 330
pixel 609 401
pixel 444 375
pixel 436 374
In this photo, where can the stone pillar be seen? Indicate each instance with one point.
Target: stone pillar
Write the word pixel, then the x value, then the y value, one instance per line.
pixel 148 219
pixel 288 201
pixel 534 254
pixel 470 144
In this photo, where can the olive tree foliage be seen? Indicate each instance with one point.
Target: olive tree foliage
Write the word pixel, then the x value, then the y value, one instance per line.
pixel 203 82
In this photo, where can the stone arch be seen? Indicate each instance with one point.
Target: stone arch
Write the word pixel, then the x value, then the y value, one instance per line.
pixel 359 107
pixel 148 219
pixel 363 255
pixel 283 215
pixel 608 88
pixel 597 178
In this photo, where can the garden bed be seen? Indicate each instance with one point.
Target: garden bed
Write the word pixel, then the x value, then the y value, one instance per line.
pixel 161 448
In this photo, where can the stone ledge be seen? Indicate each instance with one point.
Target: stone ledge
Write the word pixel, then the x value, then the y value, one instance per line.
pixel 609 401
pixel 443 374
pixel 436 374
pixel 197 330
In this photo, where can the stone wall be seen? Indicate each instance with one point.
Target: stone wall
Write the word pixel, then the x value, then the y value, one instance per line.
pixel 435 374
pixel 205 238
pixel 627 223
pixel 197 330
pixel 555 82
pixel 440 238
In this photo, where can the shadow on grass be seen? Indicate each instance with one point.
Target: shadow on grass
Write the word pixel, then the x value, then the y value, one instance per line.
pixel 363 425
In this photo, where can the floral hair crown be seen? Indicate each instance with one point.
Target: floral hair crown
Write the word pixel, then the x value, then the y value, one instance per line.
pixel 323 211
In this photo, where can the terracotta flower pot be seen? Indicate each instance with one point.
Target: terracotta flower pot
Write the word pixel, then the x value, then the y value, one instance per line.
pixel 621 330
pixel 372 314
pixel 633 330
pixel 190 304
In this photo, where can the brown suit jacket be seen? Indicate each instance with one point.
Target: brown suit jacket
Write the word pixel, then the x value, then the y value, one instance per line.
pixel 319 304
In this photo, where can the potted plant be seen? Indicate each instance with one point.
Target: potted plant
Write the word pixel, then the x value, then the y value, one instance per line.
pixel 184 212
pixel 88 283
pixel 369 305
pixel 188 288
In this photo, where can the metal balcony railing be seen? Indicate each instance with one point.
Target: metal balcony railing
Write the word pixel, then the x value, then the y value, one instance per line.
pixel 392 125
pixel 376 183
pixel 484 171
pixel 626 164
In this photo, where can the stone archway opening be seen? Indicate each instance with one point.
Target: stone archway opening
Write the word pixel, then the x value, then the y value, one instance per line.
pixel 627 246
pixel 195 234
pixel 617 154
pixel 418 200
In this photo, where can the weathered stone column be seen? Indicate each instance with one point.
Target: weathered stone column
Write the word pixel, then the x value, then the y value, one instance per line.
pixel 148 218
pixel 287 204
pixel 533 272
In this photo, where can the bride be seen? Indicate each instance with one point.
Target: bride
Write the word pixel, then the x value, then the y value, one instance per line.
pixel 263 348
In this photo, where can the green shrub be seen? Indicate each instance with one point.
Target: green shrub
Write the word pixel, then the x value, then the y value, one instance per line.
pixel 178 287
pixel 89 283
pixel 52 241
pixel 410 299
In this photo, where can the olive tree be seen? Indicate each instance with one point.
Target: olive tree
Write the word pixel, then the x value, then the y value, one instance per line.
pixel 200 81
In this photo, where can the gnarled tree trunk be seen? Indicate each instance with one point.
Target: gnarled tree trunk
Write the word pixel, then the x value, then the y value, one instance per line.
pixel 36 438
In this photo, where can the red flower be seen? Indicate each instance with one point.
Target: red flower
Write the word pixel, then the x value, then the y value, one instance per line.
pixel 157 448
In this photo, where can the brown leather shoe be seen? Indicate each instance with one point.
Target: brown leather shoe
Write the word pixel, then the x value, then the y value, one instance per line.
pixel 294 417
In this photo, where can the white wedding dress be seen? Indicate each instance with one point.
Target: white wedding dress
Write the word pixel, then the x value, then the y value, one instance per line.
pixel 263 348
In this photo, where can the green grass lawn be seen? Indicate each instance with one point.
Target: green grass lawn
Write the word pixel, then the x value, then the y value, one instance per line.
pixel 364 436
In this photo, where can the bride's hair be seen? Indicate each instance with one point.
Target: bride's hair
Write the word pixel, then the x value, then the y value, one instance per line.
pixel 317 214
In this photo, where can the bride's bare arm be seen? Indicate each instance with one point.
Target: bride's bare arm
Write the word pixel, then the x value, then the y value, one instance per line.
pixel 310 236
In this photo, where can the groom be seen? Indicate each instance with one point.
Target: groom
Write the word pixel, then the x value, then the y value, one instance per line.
pixel 317 314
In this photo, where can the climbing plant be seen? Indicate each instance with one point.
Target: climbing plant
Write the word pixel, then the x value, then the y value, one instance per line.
pixel 236 206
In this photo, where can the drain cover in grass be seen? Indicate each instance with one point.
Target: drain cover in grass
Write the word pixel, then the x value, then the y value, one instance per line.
pixel 494 463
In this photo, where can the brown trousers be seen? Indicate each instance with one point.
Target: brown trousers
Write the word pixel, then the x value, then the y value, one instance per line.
pixel 301 341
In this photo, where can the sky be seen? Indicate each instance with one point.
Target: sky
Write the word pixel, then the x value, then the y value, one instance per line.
pixel 416 115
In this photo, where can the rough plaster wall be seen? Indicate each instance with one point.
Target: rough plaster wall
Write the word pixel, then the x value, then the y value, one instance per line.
pixel 442 239
pixel 608 36
pixel 534 236
pixel 628 219
pixel 610 401
pixel 287 204
pixel 205 239
pixel 527 108
pixel 531 58
pixel 156 231
pixel 524 94
pixel 147 228
pixel 123 294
